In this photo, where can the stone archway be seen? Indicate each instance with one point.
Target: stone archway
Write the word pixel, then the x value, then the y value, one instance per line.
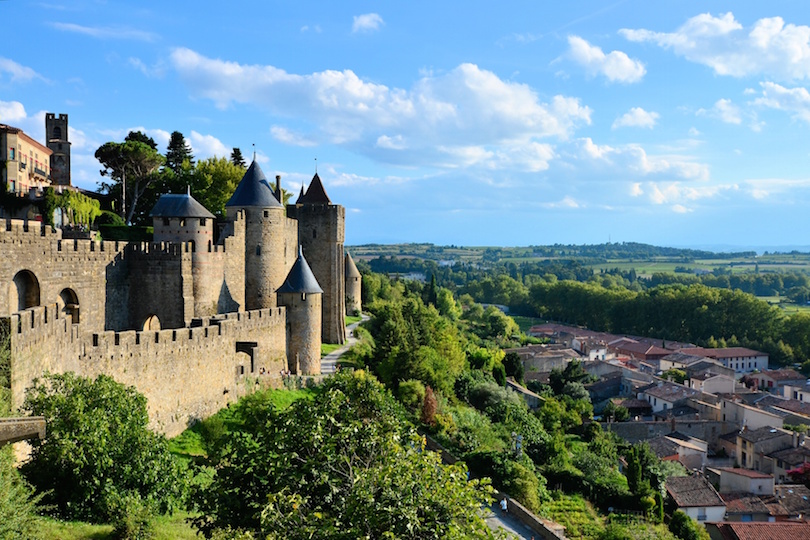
pixel 152 323
pixel 69 304
pixel 27 289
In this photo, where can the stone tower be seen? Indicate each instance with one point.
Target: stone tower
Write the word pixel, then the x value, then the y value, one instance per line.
pixel 182 219
pixel 264 237
pixel 321 233
pixel 56 135
pixel 302 296
pixel 354 289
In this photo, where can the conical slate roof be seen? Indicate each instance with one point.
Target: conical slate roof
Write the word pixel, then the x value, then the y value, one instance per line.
pixel 179 206
pixel 253 190
pixel 351 268
pixel 300 279
pixel 315 194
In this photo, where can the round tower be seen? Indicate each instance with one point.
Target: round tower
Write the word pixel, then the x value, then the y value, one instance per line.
pixel 264 237
pixel 354 288
pixel 182 219
pixel 302 296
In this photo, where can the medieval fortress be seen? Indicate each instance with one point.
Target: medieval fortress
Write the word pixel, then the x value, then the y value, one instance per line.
pixel 192 323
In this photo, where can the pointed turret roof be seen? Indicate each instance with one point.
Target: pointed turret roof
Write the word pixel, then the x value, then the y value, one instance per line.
pixel 315 194
pixel 300 279
pixel 253 190
pixel 350 268
pixel 180 206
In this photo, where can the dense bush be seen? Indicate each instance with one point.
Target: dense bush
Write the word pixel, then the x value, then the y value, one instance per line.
pixel 99 451
pixel 344 465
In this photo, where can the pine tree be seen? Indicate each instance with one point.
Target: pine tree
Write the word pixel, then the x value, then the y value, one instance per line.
pixel 177 152
pixel 236 157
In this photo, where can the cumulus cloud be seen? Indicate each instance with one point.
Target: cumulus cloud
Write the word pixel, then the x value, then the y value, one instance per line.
pixel 636 117
pixel 367 22
pixel 11 111
pixel 99 32
pixel 464 117
pixel 633 159
pixel 17 72
pixel 205 146
pixel 769 47
pixel 724 110
pixel 795 101
pixel 615 65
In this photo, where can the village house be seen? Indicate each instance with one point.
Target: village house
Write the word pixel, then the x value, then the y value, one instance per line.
pixel 774 380
pixel 696 497
pixel 735 479
pixel 754 444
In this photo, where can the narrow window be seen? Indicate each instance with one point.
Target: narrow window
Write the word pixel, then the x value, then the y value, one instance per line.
pixel 258 249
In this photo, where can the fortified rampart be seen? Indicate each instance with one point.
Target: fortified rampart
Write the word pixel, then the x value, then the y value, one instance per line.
pixel 190 323
pixel 186 373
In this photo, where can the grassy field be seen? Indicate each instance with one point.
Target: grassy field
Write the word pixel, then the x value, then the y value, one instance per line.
pixel 173 527
pixel 526 322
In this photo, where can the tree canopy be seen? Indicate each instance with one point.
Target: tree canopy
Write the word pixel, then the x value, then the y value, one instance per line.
pixel 342 466
pixel 131 165
pixel 178 152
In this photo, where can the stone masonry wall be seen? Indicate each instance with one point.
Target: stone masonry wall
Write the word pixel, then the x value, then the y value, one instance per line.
pixel 186 374
pixel 83 266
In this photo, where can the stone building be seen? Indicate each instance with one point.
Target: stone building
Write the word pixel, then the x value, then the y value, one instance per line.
pixel 56 135
pixel 26 162
pixel 192 321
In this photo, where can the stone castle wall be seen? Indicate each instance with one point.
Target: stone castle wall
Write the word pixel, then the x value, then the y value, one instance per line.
pixel 89 269
pixel 186 374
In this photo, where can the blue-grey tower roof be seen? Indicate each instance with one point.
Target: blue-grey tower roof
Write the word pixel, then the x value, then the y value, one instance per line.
pixel 300 279
pixel 180 206
pixel 253 190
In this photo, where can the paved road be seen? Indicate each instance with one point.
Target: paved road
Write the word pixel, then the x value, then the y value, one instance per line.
pixel 329 361
pixel 496 520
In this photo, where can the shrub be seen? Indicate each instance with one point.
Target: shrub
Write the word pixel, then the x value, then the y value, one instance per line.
pixel 412 394
pixel 686 528
pixel 98 449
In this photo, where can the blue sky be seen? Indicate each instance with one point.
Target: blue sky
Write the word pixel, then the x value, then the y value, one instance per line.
pixel 467 123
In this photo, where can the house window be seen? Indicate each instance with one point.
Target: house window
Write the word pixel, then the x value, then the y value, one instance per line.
pixel 165 222
pixel 11 154
pixel 202 222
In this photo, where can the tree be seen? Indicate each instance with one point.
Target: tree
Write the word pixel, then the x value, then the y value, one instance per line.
pixel 514 366
pixel 345 465
pixel 686 528
pixel 237 159
pixel 99 459
pixel 140 136
pixel 178 152
pixel 131 166
pixel 213 181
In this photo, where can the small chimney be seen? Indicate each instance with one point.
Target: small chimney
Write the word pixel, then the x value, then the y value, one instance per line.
pixel 278 188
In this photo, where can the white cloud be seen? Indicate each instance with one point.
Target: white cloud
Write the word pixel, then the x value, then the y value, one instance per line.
pixel 565 202
pixel 615 65
pixel 633 160
pixel 724 110
pixel 11 111
pixel 286 136
pixel 462 118
pixel 314 28
pixel 636 117
pixel 205 146
pixel 693 132
pixel 150 71
pixel 795 101
pixel 367 22
pixel 770 47
pixel 17 72
pixel 397 142
pixel 105 32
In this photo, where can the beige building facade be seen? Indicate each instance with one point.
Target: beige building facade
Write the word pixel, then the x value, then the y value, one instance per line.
pixel 26 163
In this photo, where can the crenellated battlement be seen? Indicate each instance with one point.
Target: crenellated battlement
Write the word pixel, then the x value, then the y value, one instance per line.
pixel 21 230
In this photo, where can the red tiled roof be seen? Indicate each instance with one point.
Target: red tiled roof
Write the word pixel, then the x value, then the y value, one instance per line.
pixel 763 530
pixel 727 352
pixel 744 472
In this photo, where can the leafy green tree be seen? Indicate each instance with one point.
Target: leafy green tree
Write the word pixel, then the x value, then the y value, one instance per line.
pixel 98 450
pixel 344 465
pixel 237 159
pixel 141 137
pixel 514 366
pixel 213 181
pixel 178 152
pixel 686 528
pixel 615 413
pixel 131 166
